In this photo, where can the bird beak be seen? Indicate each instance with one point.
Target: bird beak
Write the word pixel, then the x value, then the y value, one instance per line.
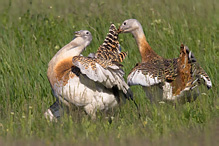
pixel 77 33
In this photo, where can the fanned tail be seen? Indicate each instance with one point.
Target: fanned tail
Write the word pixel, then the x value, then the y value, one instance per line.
pixel 122 56
pixel 197 72
pixel 110 49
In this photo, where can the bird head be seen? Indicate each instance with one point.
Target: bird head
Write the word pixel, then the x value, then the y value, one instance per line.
pixel 83 37
pixel 129 25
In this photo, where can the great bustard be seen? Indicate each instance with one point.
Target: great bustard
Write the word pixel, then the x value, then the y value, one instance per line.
pixel 168 79
pixel 91 82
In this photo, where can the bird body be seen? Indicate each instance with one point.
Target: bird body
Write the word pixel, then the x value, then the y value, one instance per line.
pixel 170 79
pixel 90 82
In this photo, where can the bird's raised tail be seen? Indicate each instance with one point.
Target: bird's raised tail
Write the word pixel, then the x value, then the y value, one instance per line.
pixel 196 71
pixel 111 49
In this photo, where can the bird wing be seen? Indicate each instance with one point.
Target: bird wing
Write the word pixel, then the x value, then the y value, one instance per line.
pixel 202 75
pixel 153 72
pixel 102 71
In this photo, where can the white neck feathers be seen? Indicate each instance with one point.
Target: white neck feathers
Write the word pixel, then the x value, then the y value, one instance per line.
pixel 74 48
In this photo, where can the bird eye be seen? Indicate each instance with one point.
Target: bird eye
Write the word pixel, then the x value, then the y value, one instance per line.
pixel 87 32
pixel 124 23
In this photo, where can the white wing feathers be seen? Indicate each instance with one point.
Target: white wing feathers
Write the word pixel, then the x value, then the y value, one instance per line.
pixel 138 78
pixel 108 75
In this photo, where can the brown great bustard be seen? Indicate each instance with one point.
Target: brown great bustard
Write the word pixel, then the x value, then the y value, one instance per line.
pixel 94 82
pixel 173 79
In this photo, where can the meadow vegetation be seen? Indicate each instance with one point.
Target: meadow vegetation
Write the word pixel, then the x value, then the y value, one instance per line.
pixel 31 32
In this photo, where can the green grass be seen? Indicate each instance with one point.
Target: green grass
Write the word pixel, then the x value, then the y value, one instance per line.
pixel 31 32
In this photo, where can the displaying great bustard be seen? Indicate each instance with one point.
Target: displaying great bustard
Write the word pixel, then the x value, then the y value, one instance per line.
pixel 94 82
pixel 168 79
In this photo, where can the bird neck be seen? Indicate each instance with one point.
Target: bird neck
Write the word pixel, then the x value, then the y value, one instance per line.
pixel 144 48
pixel 62 61
pixel 70 50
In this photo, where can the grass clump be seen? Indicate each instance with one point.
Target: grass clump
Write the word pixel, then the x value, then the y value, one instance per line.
pixel 31 32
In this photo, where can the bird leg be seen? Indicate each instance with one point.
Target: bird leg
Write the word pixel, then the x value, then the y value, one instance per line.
pixel 54 112
pixel 148 93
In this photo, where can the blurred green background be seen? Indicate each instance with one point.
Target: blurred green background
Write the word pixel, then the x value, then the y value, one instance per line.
pixel 31 32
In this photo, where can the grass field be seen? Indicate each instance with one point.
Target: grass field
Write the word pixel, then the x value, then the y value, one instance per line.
pixel 31 32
